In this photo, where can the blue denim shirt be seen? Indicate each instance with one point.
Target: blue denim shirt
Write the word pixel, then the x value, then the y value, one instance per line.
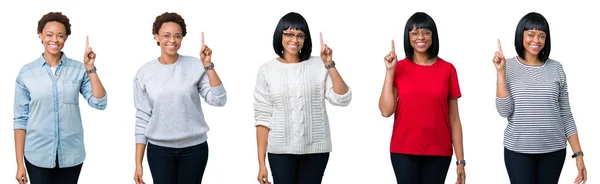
pixel 47 107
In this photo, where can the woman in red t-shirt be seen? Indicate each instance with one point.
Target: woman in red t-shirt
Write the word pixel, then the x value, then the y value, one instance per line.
pixel 421 91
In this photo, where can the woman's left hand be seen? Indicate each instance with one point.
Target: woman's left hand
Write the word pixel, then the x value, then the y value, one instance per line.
pixel 205 53
pixel 89 56
pixel 326 52
pixel 460 174
pixel 581 172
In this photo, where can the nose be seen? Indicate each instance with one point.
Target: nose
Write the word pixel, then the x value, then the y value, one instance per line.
pixel 54 38
pixel 295 38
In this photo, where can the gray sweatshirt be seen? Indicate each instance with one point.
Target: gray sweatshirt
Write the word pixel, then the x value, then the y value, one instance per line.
pixel 167 100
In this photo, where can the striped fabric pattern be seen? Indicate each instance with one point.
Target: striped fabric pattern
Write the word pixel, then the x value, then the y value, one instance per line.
pixel 537 108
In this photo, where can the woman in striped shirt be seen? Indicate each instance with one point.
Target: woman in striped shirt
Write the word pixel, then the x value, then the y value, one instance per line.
pixel 532 94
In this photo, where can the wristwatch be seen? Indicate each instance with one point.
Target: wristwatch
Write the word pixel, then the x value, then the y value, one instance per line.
pixel 463 162
pixel 211 66
pixel 330 65
pixel 576 154
pixel 91 70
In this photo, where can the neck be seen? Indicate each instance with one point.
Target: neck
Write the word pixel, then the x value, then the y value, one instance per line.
pixel 52 59
pixel 168 59
pixel 290 58
pixel 531 59
pixel 421 58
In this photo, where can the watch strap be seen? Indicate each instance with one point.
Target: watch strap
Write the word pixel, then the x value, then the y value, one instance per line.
pixel 330 65
pixel 576 154
pixel 463 162
pixel 209 67
pixel 91 70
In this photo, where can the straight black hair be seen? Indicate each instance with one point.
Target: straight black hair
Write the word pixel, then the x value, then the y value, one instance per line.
pixel 293 21
pixel 533 21
pixel 421 20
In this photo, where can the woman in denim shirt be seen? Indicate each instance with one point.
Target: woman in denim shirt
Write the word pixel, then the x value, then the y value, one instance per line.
pixel 47 120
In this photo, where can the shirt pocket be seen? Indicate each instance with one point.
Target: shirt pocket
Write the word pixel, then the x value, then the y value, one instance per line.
pixel 71 92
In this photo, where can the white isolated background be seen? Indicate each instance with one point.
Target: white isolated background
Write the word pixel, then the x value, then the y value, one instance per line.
pixel 359 32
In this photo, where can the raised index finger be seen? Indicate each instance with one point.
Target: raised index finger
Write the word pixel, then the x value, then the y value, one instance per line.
pixel 500 47
pixel 202 38
pixel 87 42
pixel 321 37
pixel 393 46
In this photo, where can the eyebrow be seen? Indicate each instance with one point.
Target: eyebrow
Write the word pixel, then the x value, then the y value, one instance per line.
pixel 169 33
pixel 53 32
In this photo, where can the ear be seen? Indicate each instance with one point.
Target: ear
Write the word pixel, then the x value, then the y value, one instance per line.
pixel 40 37
pixel 156 38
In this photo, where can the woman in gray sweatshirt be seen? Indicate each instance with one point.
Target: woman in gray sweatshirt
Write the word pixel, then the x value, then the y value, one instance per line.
pixel 169 117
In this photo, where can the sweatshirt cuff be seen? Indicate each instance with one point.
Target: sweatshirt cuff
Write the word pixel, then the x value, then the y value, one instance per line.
pixel 263 123
pixel 218 91
pixel 141 139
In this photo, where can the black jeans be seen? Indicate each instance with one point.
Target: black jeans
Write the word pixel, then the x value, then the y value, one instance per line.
pixel 39 175
pixel 418 169
pixel 542 168
pixel 177 165
pixel 298 169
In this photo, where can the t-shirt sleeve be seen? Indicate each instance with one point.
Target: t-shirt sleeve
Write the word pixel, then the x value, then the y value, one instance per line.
pixel 453 86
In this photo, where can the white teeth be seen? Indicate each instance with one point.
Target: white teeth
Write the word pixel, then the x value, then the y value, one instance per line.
pixel 293 46
pixel 420 44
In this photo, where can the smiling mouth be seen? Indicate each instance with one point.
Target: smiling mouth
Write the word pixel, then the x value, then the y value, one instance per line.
pixel 420 44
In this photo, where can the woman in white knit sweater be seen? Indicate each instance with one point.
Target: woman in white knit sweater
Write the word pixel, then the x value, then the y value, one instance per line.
pixel 290 93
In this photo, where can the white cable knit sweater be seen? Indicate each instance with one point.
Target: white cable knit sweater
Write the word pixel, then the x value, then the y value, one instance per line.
pixel 290 101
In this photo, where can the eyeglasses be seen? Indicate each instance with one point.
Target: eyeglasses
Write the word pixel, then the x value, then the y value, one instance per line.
pixel 168 37
pixel 424 33
pixel 290 35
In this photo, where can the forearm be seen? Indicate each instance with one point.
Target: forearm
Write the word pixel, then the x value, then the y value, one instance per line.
pixel 261 141
pixel 98 90
pixel 387 100
pixel 501 89
pixel 19 146
pixel 574 142
pixel 339 86
pixel 213 78
pixel 139 154
pixel 457 140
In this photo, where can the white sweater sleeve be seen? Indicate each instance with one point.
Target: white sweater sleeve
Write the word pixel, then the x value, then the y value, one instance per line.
pixel 263 108
pixel 334 98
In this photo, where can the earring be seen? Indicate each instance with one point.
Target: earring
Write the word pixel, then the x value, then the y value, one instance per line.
pixel 300 52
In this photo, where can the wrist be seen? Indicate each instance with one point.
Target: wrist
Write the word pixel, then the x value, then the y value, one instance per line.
pixel 89 67
pixel 329 65
pixel 578 155
pixel 208 66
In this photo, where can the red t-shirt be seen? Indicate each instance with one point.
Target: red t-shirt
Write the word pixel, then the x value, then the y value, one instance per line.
pixel 421 124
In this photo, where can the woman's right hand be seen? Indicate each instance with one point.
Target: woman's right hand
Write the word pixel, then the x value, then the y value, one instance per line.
pixel 391 59
pixel 499 60
pixel 263 176
pixel 21 175
pixel 138 175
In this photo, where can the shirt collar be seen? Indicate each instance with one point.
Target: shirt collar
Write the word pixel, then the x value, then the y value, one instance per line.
pixel 41 61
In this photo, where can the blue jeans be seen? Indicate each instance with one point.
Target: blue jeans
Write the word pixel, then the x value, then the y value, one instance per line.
pixel 177 165
pixel 542 168
pixel 298 169
pixel 420 169
pixel 38 175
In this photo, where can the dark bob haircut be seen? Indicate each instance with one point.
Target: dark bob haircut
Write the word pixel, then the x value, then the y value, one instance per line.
pixel 54 17
pixel 168 17
pixel 421 20
pixel 293 21
pixel 533 21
